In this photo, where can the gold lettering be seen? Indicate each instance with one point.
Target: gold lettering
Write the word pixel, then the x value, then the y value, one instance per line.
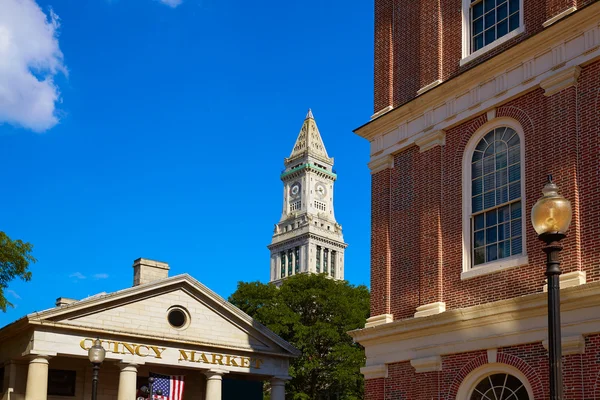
pixel 204 358
pixel 230 360
pixel 128 347
pixel 137 350
pixel 257 363
pixel 158 350
pixel 183 355
pixel 115 345
pixel 245 362
pixel 217 357
pixel 83 345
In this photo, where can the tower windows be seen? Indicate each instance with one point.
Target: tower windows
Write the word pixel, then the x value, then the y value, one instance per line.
pixel 333 254
pixel 295 205
pixel 282 255
pixel 325 259
pixel 318 265
pixel 289 262
pixel 297 260
pixel 319 205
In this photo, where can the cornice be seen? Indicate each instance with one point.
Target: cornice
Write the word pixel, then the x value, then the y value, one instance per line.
pixel 508 75
pixel 381 164
pixel 375 371
pixel 560 81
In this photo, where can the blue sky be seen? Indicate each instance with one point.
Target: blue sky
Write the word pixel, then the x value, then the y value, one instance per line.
pixel 159 131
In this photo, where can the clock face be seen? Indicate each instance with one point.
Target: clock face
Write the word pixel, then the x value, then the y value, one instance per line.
pixel 321 189
pixel 295 189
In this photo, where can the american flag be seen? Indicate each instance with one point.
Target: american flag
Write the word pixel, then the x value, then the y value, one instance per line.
pixel 171 386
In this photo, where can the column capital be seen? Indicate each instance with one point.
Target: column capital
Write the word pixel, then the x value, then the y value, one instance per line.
pixel 128 367
pixel 216 374
pixel 280 380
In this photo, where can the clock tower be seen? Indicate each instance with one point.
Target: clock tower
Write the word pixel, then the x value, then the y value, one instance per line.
pixel 307 238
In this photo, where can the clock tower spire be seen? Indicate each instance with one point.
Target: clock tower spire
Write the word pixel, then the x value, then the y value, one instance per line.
pixel 307 238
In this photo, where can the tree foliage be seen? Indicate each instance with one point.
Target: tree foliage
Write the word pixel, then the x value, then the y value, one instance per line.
pixel 313 313
pixel 15 257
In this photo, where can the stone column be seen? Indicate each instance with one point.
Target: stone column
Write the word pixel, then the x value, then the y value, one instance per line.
pixel 293 261
pixel 214 383
pixel 277 389
pixel 127 381
pixel 37 378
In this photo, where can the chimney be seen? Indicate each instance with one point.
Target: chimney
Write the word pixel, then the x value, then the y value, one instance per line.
pixel 146 271
pixel 63 301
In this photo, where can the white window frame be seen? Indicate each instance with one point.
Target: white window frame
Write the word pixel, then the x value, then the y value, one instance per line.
pixel 504 263
pixel 467 55
pixel 467 386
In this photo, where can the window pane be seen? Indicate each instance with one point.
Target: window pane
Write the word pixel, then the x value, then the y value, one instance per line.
pixel 499 132
pixel 479 239
pixel 503 214
pixel 514 173
pixel 503 231
pixel 479 256
pixel 478 10
pixel 490 218
pixel 513 6
pixel 477 169
pixel 491 252
pixel 516 245
pixel 513 22
pixel 478 42
pixel 489 200
pixel 514 191
pixel 489 5
pixel 489 182
pixel 514 140
pixel 516 227
pixel 490 36
pixel 479 222
pixel 502 195
pixel 488 165
pixel 477 186
pixel 477 26
pixel 490 19
pixel 489 150
pixel 477 155
pixel 501 157
pixel 489 137
pixel 477 203
pixel 514 155
pixel 491 235
pixel 502 11
pixel 515 210
pixel 501 177
pixel 502 28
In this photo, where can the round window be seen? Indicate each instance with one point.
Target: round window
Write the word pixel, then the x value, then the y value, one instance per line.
pixel 500 387
pixel 177 317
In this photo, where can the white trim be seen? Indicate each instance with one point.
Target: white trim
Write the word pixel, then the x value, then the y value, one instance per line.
pixel 429 86
pixel 492 355
pixel 468 384
pixel 427 364
pixel 375 371
pixel 569 279
pixel 381 163
pixel 381 112
pixel 379 320
pixel 560 81
pixel 467 56
pixel 430 140
pixel 569 345
pixel 504 263
pixel 561 15
pixel 430 309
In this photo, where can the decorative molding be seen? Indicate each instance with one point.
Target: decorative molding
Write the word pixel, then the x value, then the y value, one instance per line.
pixel 475 97
pixel 430 309
pixel 381 112
pixel 491 114
pixel 375 371
pixel 427 364
pixel 570 345
pixel 492 355
pixel 560 81
pixel 501 84
pixel 379 320
pixel 381 163
pixel 561 15
pixel 569 279
pixel 558 55
pixel 451 102
pixel 428 119
pixel 430 140
pixel 428 87
pixel 498 324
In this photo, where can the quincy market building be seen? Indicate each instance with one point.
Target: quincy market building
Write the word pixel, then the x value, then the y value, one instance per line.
pixel 170 326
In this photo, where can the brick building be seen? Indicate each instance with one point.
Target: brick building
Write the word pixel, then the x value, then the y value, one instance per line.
pixel 476 101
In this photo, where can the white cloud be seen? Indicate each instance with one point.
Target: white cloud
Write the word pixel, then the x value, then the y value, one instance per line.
pixel 77 275
pixel 30 58
pixel 172 3
pixel 13 294
pixel 100 276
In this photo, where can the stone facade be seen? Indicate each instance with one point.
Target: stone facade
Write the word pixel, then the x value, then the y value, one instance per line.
pixel 439 324
pixel 213 343
pixel 307 238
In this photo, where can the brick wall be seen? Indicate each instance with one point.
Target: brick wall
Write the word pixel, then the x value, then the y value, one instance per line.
pixel 417 42
pixel 417 207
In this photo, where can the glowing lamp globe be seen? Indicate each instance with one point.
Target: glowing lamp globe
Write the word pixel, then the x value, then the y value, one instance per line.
pixel 552 213
pixel 96 353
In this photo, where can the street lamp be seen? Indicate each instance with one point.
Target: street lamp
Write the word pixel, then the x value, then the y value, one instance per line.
pixel 96 355
pixel 551 217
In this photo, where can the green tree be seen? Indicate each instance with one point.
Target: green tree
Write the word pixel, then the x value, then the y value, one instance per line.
pixel 15 257
pixel 313 313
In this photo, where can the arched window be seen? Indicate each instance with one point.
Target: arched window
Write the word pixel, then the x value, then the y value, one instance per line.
pixel 493 211
pixel 495 381
pixel 500 387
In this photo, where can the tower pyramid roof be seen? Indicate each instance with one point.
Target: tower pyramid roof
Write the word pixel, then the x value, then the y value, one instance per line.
pixel 309 141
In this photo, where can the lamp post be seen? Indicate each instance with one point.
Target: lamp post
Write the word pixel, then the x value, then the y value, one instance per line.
pixel 96 355
pixel 151 387
pixel 551 217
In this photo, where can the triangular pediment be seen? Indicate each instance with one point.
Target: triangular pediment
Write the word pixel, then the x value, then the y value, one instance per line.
pixel 309 141
pixel 145 309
